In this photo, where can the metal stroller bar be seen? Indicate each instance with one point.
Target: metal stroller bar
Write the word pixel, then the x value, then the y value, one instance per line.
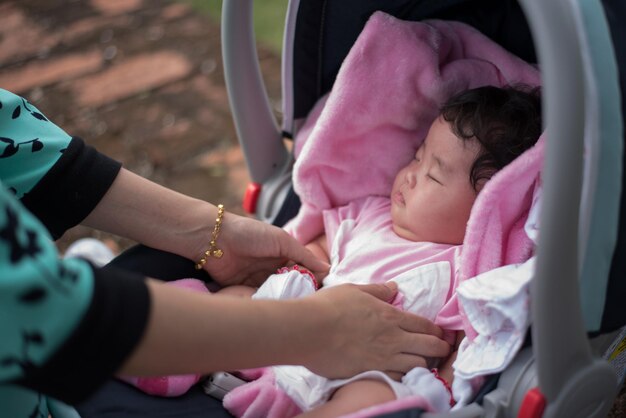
pixel 269 162
pixel 261 139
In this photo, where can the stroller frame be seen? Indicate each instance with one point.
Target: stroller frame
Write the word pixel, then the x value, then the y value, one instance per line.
pixel 558 376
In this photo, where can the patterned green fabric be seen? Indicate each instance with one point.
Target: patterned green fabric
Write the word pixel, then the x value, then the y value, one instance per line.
pixel 29 143
pixel 42 297
pixel 18 402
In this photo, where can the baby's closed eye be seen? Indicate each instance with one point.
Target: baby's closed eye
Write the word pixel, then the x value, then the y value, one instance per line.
pixel 434 179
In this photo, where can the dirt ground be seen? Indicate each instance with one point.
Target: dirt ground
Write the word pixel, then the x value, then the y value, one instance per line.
pixel 142 81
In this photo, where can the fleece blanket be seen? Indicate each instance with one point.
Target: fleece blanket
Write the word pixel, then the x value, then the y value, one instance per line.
pixel 386 95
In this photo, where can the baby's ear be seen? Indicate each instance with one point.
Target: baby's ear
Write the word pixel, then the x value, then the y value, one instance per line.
pixel 480 184
pixel 484 179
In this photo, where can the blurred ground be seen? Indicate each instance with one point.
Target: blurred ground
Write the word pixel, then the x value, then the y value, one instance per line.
pixel 141 80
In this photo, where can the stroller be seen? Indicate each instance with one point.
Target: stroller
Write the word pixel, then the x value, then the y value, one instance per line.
pixel 578 263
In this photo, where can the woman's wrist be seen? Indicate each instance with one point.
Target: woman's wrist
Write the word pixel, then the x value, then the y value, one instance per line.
pixel 193 236
pixel 151 214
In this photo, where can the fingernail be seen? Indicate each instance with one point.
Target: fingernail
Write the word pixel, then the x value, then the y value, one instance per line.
pixel 393 286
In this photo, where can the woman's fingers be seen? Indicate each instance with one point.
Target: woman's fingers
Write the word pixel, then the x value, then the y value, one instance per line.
pixel 423 345
pixel 401 363
pixel 417 335
pixel 385 292
pixel 291 249
pixel 252 250
pixel 368 334
pixel 414 323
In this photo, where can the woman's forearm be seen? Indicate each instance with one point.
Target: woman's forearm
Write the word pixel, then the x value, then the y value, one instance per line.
pixel 198 333
pixel 161 218
pixel 336 332
pixel 146 212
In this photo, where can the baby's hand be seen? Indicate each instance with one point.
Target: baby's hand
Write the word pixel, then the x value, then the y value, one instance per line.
pixel 319 276
pixel 319 250
pixel 304 272
pixel 446 370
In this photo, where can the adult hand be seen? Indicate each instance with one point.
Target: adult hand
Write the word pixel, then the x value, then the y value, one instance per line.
pixel 364 332
pixel 253 250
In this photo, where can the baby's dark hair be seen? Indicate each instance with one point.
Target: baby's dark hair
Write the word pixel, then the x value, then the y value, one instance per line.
pixel 506 121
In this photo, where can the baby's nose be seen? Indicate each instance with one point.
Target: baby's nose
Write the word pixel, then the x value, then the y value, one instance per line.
pixel 411 177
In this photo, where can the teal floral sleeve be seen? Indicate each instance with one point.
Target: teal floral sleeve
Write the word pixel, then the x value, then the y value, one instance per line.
pixel 52 310
pixel 29 143
pixel 42 298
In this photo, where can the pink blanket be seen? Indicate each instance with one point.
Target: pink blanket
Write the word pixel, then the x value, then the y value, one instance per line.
pixel 386 95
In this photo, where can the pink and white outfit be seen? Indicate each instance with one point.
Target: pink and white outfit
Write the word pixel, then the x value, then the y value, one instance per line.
pixel 363 249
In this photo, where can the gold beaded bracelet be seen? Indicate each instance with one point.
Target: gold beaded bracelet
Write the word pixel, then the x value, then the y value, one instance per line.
pixel 213 250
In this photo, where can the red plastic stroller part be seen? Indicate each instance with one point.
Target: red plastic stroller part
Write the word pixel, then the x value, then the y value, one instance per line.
pixel 533 404
pixel 251 197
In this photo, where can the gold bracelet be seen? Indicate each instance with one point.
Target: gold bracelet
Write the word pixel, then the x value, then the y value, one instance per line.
pixel 213 250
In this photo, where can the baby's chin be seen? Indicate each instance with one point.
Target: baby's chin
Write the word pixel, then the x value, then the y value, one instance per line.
pixel 417 236
pixel 405 233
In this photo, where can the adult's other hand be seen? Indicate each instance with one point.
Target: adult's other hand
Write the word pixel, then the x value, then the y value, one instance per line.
pixel 367 333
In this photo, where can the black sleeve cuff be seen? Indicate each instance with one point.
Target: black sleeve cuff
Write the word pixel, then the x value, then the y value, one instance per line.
pixel 111 328
pixel 72 188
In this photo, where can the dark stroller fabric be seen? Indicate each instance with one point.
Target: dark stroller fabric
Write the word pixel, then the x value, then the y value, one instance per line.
pixel 119 400
pixel 326 30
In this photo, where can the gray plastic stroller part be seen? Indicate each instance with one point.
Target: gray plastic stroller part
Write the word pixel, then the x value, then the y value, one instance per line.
pixel 269 162
pixel 470 411
pixel 289 124
pixel 601 343
pixel 572 381
pixel 603 159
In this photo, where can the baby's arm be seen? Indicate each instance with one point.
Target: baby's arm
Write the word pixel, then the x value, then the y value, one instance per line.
pixel 353 397
pixel 446 371
pixel 319 248
pixel 365 393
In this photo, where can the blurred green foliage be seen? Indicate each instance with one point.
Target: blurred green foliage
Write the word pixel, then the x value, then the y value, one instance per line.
pixel 269 18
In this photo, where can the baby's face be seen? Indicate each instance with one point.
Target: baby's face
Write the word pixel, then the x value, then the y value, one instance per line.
pixel 432 196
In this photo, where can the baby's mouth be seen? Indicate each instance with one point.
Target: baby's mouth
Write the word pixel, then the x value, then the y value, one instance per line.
pixel 398 198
